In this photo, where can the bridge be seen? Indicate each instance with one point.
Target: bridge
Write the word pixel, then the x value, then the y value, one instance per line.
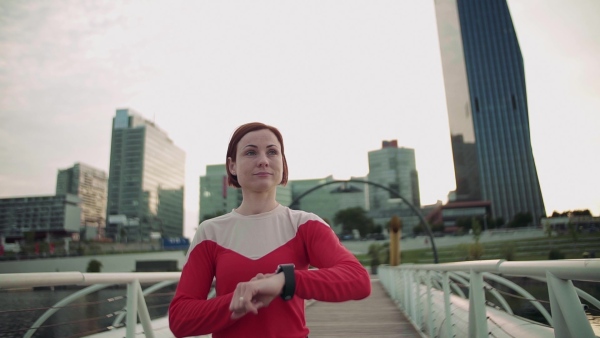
pixel 464 299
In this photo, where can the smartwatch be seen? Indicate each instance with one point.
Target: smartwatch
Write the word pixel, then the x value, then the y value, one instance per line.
pixel 289 286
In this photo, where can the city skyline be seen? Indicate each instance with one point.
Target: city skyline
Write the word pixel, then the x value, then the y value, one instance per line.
pixel 335 79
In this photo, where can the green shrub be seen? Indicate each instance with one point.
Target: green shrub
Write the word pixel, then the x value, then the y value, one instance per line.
pixel 94 266
pixel 555 254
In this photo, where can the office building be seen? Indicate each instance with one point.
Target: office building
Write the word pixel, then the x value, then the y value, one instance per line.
pixel 146 181
pixel 327 200
pixel 395 169
pixel 40 217
pixel 90 185
pixel 217 197
pixel 487 107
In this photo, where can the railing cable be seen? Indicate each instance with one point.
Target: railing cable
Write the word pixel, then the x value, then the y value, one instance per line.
pixel 500 327
pixel 517 296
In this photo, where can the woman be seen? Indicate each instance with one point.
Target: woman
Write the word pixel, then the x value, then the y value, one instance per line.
pixel 260 253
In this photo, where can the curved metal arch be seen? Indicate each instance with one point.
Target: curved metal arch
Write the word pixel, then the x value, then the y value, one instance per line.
pixel 393 192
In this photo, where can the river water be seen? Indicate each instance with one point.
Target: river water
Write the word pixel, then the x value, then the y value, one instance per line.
pixel 90 314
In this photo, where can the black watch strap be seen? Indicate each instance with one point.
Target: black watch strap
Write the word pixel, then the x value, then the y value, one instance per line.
pixel 289 287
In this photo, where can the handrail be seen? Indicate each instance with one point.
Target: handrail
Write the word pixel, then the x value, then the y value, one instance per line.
pixel 575 269
pixel 136 304
pixel 423 291
pixel 436 311
pixel 37 279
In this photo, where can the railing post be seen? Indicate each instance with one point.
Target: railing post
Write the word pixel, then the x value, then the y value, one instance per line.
pixel 136 306
pixel 411 295
pixel 407 286
pixel 447 309
pixel 132 303
pixel 429 304
pixel 393 283
pixel 568 316
pixel 477 313
pixel 143 312
pixel 416 296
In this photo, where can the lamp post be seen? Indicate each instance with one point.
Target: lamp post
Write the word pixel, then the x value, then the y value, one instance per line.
pixel 395 233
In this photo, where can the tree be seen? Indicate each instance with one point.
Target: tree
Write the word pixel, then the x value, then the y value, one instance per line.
pixel 375 253
pixel 418 229
pixel 521 220
pixel 508 251
pixel 475 249
pixel 464 224
pixel 555 254
pixel 437 227
pixel 574 232
pixel 354 218
pixel 584 212
pixel 476 226
pixel 94 266
pixel 548 230
pixel 493 223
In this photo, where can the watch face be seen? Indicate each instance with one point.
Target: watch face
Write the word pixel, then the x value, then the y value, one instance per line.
pixel 281 266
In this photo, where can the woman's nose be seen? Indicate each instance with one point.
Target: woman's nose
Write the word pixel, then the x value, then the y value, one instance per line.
pixel 262 160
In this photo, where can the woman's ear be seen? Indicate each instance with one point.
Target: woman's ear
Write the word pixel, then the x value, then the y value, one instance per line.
pixel 231 166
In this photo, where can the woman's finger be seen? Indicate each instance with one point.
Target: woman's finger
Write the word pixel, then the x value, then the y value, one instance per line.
pixel 258 276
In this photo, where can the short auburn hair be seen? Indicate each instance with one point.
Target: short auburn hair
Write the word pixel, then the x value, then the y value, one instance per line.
pixel 240 132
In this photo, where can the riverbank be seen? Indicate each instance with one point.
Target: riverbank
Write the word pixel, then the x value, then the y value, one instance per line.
pixel 118 262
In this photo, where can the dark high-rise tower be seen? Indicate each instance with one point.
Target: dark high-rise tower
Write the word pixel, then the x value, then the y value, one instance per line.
pixel 487 107
pixel 146 180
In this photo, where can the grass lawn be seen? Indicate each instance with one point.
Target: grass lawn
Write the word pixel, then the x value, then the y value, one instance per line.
pixel 520 250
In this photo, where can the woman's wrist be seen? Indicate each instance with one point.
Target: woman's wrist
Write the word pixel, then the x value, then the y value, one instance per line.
pixel 289 277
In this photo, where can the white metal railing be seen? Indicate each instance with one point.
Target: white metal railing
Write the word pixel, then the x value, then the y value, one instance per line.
pixel 423 292
pixel 136 304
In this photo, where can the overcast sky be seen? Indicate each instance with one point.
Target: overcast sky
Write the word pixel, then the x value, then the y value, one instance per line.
pixel 336 77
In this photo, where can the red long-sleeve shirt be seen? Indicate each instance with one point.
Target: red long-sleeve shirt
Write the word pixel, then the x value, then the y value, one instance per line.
pixel 235 248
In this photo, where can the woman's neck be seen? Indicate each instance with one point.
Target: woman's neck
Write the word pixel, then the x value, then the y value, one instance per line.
pixel 257 204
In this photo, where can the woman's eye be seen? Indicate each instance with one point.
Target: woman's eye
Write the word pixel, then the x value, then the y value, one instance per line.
pixel 272 152
pixel 250 152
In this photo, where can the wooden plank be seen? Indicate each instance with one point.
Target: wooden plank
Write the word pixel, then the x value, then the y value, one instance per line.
pixel 375 316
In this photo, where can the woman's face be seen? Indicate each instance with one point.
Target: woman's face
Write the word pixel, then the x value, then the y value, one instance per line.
pixel 259 162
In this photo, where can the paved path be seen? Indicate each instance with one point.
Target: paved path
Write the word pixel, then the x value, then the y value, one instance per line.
pixel 375 316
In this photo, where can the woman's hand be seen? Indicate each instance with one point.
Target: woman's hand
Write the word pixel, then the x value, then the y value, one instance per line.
pixel 255 294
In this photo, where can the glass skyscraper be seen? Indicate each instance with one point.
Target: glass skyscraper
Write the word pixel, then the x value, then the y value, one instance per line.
pixel 487 107
pixel 146 180
pixel 90 185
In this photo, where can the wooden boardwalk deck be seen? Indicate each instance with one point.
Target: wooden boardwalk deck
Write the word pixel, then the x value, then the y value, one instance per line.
pixel 375 316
